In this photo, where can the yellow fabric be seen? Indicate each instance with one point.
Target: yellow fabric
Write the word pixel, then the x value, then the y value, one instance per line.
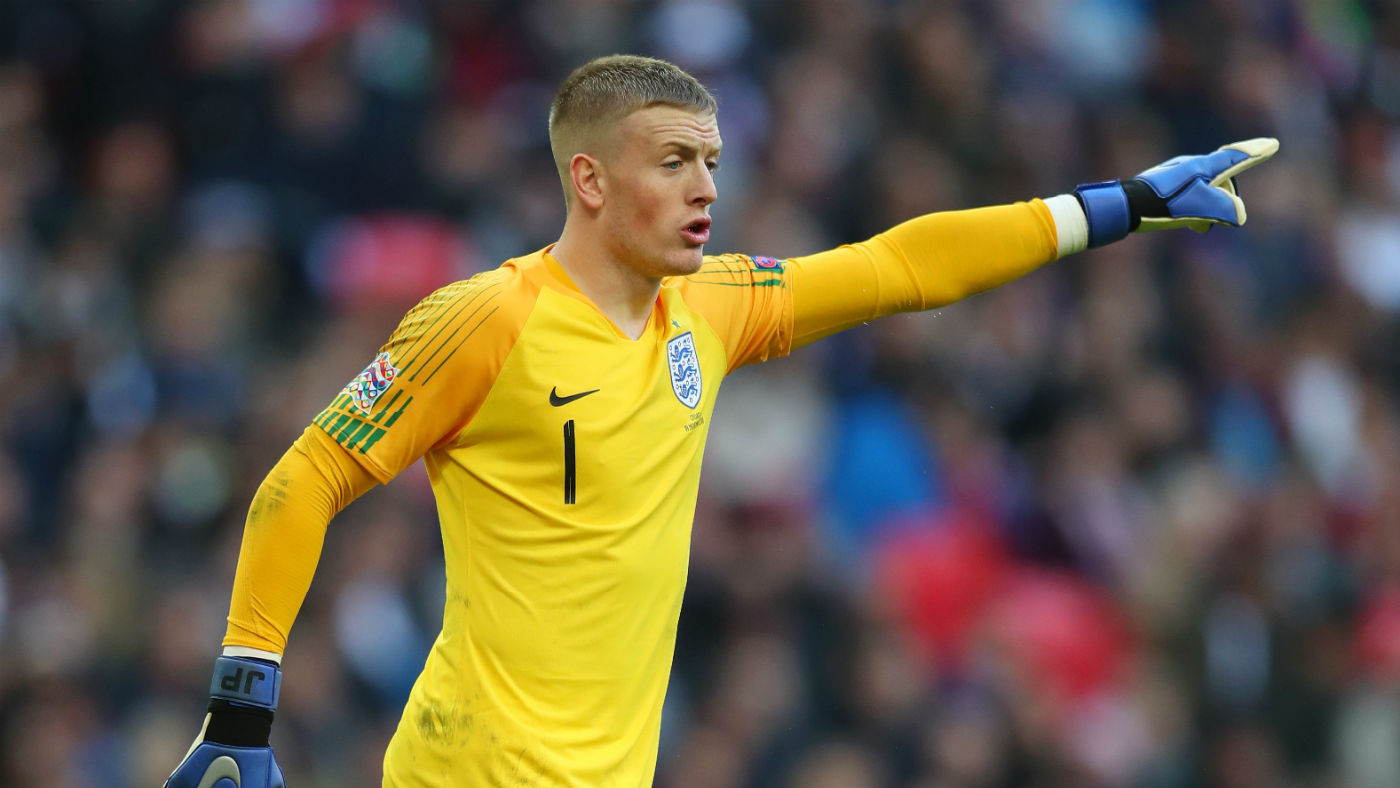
pixel 746 301
pixel 560 619
pixel 445 353
pixel 924 263
pixel 282 538
pixel 561 612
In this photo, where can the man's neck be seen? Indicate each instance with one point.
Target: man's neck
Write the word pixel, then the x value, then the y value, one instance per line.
pixel 623 295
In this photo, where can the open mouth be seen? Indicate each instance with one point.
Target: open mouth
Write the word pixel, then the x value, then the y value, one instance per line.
pixel 698 231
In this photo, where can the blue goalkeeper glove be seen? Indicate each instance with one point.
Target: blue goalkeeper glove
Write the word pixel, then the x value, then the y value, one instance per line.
pixel 1187 191
pixel 232 749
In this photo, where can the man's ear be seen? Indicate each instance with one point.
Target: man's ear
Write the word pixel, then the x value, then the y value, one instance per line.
pixel 586 174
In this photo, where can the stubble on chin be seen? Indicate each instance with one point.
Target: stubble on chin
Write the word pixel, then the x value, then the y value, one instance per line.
pixel 691 263
pixel 662 264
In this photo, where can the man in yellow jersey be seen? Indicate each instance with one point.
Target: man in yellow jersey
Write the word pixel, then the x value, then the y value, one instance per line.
pixel 561 403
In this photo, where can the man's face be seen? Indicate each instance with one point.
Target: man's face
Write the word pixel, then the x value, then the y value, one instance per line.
pixel 657 187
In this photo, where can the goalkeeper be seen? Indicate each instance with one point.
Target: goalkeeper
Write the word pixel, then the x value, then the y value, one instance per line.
pixel 561 403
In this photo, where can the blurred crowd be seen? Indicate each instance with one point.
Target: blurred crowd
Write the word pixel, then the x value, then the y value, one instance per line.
pixel 1134 519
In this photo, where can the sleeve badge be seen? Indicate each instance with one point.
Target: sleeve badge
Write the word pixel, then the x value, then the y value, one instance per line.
pixel 366 387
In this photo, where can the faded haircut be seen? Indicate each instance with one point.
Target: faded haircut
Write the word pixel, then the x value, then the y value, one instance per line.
pixel 602 92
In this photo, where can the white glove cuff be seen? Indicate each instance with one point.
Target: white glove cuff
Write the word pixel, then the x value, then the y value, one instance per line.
pixel 252 653
pixel 1071 226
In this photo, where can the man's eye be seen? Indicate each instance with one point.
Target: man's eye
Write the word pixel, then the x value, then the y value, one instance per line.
pixel 672 165
pixel 713 165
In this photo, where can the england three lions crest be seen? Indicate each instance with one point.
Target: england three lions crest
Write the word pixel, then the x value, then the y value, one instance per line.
pixel 685 369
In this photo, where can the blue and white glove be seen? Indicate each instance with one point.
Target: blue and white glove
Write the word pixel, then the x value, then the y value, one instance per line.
pixel 232 749
pixel 1187 191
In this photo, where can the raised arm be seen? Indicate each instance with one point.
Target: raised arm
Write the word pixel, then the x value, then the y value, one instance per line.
pixel 924 263
pixel 940 258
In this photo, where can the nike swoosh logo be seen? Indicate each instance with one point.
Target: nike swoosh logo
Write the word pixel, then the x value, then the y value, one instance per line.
pixel 556 400
pixel 222 767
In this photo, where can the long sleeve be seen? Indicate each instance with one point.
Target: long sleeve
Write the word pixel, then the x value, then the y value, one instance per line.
pixel 924 263
pixel 282 538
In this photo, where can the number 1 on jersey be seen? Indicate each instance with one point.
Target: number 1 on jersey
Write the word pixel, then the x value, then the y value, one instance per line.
pixel 569 472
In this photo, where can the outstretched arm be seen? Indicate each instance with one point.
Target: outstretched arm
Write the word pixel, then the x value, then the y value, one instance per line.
pixel 924 263
pixel 940 258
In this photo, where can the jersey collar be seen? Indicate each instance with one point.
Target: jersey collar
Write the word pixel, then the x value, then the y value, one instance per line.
pixel 560 277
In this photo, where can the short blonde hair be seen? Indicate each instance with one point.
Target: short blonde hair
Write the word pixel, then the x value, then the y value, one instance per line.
pixel 603 91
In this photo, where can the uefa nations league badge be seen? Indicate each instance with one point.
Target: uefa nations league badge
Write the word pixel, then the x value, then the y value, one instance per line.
pixel 366 387
pixel 685 369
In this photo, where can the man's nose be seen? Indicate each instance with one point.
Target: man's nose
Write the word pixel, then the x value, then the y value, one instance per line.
pixel 706 192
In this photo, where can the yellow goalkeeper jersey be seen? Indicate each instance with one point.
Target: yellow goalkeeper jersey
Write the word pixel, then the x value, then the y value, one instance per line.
pixel 565 459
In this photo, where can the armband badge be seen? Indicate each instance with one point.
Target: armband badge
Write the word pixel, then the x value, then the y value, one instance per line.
pixel 374 381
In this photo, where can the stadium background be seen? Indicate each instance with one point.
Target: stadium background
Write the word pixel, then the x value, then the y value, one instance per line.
pixel 1131 520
